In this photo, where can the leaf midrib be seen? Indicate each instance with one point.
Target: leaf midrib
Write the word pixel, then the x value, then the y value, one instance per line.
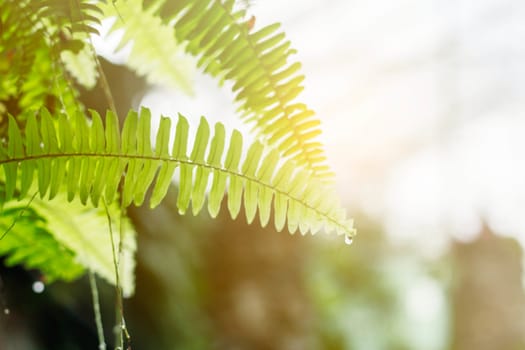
pixel 180 161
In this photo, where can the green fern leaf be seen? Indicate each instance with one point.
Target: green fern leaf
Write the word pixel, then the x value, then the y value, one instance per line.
pixel 300 198
pixel 30 243
pixel 155 52
pixel 233 158
pixel 64 239
pixel 168 168
pixel 31 43
pixel 83 230
pixel 265 81
pixel 201 173
pixel 219 179
pixel 66 16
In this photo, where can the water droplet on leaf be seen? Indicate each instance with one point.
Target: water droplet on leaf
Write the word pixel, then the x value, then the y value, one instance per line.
pixel 348 240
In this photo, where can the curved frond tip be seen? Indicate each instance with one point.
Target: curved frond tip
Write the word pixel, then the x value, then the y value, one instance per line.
pixel 92 160
pixel 266 81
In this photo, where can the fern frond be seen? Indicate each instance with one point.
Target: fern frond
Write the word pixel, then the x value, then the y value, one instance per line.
pixel 31 244
pixel 68 16
pixel 68 24
pixel 20 39
pixel 155 52
pixel 266 82
pixel 83 230
pixel 32 76
pixel 64 239
pixel 43 87
pixel 92 160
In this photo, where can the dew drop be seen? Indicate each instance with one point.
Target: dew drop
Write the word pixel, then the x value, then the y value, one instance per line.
pixel 7 311
pixel 348 240
pixel 38 287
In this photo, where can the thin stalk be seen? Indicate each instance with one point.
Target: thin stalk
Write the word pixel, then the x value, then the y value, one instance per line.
pixel 96 309
pixel 120 327
pixel 120 245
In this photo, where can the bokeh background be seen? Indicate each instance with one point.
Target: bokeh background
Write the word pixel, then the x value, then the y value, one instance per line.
pixel 423 114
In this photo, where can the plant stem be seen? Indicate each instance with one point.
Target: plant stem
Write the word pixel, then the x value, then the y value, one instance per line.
pixel 120 327
pixel 96 309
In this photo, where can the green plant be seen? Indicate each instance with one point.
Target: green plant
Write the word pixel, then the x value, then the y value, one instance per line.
pixel 54 151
